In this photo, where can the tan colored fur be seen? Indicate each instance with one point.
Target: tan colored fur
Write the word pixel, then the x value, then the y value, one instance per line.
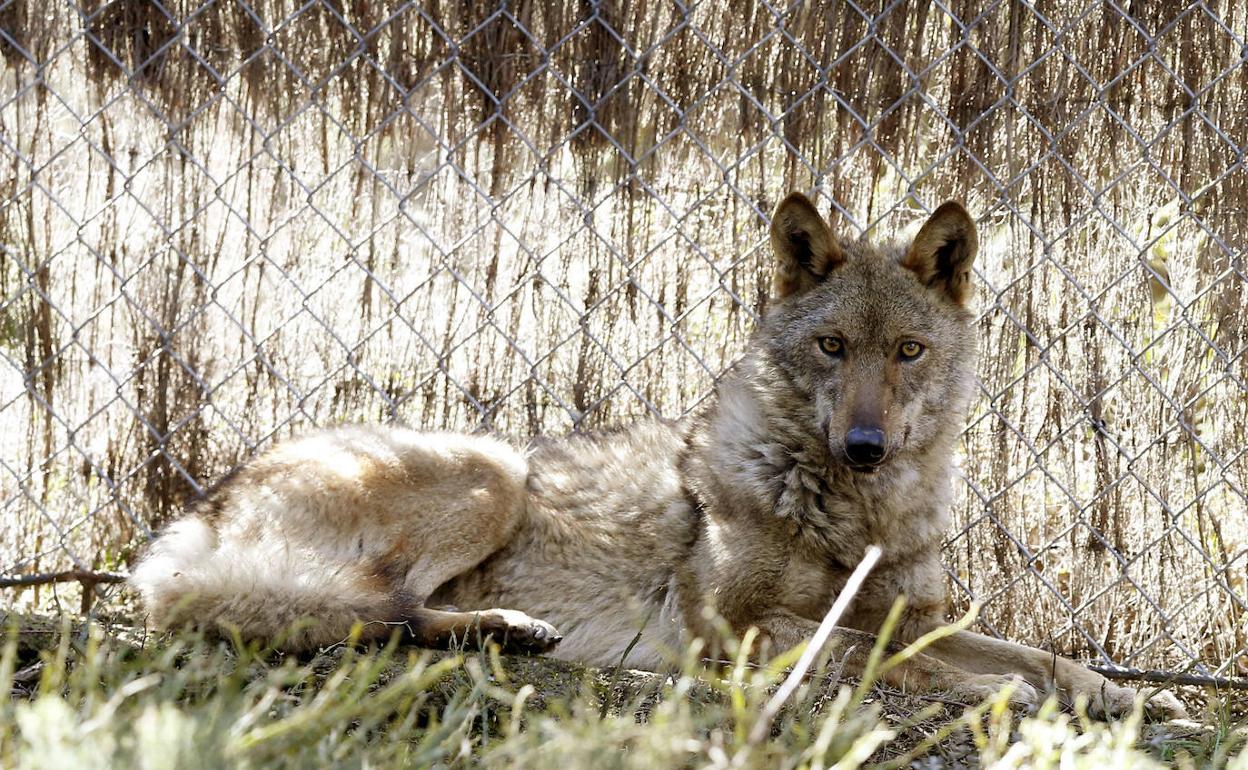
pixel 757 507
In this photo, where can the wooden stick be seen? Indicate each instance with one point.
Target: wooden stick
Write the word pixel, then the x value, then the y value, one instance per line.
pixel 762 726
pixel 86 577
pixel 1169 677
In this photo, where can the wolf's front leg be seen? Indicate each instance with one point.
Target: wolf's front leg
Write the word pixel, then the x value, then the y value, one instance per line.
pixel 921 673
pixel 1045 671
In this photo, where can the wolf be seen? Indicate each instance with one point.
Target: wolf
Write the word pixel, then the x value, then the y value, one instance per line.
pixel 833 432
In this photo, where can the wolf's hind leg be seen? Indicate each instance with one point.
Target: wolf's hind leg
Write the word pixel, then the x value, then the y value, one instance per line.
pixel 190 577
pixel 358 525
pixel 514 631
pixel 470 495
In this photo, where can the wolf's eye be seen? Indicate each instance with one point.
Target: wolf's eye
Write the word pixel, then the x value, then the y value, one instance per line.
pixel 833 346
pixel 911 350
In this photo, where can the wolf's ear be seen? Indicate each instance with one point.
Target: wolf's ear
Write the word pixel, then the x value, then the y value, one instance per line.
pixel 805 249
pixel 943 251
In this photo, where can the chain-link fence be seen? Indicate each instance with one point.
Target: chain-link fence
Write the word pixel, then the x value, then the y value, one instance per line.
pixel 221 222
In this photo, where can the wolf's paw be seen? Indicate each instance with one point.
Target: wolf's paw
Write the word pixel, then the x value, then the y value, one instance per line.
pixel 516 632
pixel 1111 701
pixel 1164 706
pixel 980 687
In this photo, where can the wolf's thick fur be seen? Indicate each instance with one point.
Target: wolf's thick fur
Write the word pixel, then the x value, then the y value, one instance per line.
pixel 835 431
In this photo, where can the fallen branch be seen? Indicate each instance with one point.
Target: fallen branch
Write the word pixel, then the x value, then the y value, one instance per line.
pixel 84 576
pixel 1171 677
pixel 762 726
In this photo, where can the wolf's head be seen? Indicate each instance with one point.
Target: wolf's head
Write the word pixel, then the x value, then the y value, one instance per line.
pixel 875 340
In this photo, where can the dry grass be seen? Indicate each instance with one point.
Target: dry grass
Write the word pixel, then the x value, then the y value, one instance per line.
pixel 95 698
pixel 214 234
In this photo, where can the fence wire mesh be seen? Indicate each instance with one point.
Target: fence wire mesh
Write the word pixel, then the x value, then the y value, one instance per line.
pixel 221 222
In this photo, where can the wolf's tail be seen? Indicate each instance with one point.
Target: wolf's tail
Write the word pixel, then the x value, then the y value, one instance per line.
pixel 191 576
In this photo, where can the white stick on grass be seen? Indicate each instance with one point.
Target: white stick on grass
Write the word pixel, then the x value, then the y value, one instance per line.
pixel 762 727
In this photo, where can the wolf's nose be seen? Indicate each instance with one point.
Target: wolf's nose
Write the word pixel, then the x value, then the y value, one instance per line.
pixel 865 446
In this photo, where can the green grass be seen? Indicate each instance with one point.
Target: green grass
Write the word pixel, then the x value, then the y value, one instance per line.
pixel 95 700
